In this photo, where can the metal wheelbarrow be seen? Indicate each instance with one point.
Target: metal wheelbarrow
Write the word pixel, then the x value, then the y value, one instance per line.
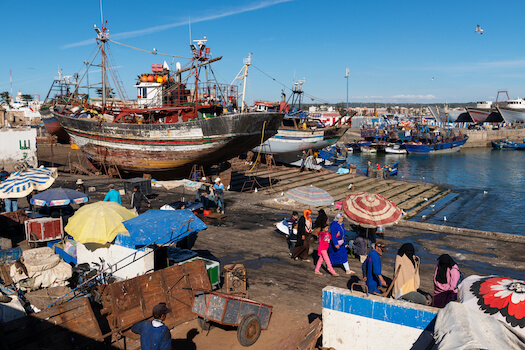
pixel 249 316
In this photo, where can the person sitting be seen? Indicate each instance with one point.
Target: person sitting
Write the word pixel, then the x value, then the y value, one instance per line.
pixel 203 193
pixel 406 279
pixel 446 278
pixel 80 186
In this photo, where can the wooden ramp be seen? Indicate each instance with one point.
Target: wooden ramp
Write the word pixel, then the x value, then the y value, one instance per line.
pixel 273 180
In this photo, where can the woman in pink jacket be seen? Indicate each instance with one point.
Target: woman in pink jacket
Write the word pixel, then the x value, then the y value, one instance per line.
pixel 446 280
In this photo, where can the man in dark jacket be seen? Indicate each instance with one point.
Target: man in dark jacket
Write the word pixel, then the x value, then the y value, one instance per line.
pixel 136 199
pixel 154 335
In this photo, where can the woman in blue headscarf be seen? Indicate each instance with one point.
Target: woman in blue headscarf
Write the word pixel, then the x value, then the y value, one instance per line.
pixel 337 249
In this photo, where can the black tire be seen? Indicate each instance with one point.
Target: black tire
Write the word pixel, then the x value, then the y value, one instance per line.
pixel 205 325
pixel 249 330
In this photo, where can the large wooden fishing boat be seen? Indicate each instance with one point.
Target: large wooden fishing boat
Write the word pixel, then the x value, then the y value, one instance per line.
pixel 173 125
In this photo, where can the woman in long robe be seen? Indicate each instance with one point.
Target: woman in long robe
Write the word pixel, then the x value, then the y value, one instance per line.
pixel 406 278
pixel 337 249
pixel 304 230
pixel 446 278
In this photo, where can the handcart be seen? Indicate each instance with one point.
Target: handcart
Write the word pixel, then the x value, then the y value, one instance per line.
pixel 249 316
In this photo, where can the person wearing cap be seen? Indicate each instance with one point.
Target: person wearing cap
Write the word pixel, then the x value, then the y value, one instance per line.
pixel 202 193
pixel 218 190
pixel 112 195
pixel 136 200
pixel 80 186
pixel 154 335
pixel 372 269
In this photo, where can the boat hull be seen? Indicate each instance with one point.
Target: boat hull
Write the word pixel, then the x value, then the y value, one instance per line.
pixel 294 141
pixel 438 148
pixel 512 115
pixel 161 148
pixel 478 115
pixel 53 127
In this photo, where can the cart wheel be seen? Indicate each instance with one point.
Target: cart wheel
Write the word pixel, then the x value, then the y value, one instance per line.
pixel 205 325
pixel 249 330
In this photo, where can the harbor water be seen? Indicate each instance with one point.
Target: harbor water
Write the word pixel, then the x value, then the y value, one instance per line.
pixel 488 186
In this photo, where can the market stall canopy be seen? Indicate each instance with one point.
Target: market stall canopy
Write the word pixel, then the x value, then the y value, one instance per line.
pixel 98 222
pixel 310 195
pixel 59 196
pixel 159 227
pixel 21 183
pixel 500 297
pixel 371 210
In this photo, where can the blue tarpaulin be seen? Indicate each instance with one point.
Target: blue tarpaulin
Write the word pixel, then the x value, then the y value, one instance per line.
pixel 159 227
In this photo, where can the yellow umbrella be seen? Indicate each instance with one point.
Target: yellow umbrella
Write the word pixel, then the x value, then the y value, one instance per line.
pixel 98 222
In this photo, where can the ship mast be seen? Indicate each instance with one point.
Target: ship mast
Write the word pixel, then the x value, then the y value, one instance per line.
pixel 243 74
pixel 102 38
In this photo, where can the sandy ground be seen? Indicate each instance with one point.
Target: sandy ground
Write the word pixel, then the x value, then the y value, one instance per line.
pixel 248 236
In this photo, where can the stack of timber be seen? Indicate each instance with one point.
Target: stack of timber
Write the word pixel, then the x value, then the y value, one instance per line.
pixel 412 197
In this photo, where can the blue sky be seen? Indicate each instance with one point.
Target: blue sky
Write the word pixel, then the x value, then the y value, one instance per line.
pixel 393 48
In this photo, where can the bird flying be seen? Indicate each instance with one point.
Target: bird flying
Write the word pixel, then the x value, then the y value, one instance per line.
pixel 478 29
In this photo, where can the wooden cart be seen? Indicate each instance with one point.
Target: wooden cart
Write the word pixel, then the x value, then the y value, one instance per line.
pixel 249 316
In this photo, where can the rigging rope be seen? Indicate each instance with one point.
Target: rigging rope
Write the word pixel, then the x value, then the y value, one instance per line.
pixel 286 86
pixel 152 52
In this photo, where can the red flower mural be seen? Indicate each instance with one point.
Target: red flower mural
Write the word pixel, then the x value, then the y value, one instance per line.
pixel 503 295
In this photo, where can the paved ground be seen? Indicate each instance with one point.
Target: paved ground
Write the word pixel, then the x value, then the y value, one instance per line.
pixel 248 236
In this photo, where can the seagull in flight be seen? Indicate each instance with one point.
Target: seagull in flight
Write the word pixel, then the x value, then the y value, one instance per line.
pixel 478 29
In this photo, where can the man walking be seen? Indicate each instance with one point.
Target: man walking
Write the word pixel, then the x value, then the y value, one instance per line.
pixel 372 270
pixel 113 195
pixel 154 335
pixel 136 200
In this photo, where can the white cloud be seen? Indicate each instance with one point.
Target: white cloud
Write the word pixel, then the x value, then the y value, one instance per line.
pixel 414 97
pixel 150 30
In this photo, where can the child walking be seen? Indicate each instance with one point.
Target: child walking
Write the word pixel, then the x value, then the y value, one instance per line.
pixel 324 242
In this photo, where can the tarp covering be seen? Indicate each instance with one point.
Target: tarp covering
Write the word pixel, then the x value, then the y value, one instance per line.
pixel 44 269
pixel 159 227
pixel 459 327
pixel 188 184
pixel 500 297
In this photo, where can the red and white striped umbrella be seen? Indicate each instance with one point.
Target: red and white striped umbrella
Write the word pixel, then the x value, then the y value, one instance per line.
pixel 371 210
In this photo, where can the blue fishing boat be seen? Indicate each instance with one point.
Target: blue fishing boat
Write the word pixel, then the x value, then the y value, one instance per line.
pixel 432 140
pixel 506 144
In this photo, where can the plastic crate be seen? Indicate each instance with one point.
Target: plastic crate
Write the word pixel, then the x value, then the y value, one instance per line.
pixel 10 255
pixel 212 268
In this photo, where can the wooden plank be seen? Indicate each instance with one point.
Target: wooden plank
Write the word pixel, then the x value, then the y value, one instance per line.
pixel 304 338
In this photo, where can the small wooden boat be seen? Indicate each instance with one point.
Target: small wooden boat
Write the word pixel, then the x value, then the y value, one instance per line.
pixel 506 144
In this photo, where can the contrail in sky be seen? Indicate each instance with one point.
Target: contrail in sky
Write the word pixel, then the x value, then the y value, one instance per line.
pixel 140 32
